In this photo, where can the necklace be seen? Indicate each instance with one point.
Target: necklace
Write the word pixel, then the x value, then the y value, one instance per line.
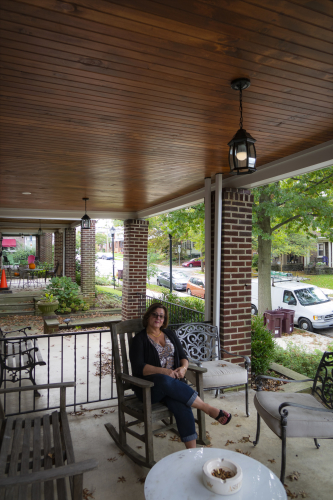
pixel 156 336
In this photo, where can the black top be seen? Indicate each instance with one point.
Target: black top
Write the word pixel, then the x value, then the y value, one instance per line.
pixel 142 352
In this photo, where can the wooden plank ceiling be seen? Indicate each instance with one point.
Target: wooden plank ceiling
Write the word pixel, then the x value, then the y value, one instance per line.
pixel 129 102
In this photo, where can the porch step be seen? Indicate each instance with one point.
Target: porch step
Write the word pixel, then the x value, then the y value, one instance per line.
pixel 20 303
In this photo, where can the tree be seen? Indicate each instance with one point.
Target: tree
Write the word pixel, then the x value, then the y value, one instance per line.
pixel 100 239
pixel 298 243
pixel 299 204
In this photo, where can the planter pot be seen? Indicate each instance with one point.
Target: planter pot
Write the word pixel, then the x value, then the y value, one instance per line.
pixel 47 307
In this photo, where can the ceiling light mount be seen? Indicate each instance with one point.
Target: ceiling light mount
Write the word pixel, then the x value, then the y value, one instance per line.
pixel 242 152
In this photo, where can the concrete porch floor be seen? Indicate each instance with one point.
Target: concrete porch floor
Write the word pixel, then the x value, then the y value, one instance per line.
pixel 117 477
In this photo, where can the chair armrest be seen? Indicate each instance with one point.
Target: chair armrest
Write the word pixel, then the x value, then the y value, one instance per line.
pixel 314 408
pixel 197 369
pixel 50 474
pixel 38 387
pixel 139 382
pixel 259 378
pixel 246 358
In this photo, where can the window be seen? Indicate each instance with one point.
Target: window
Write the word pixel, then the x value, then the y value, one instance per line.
pixel 320 249
pixel 288 296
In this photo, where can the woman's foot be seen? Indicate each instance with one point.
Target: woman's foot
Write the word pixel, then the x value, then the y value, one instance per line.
pixel 223 417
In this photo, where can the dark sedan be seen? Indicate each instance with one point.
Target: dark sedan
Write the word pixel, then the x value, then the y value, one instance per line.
pixel 179 280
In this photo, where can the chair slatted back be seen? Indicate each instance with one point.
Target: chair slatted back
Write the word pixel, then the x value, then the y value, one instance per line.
pixel 201 341
pixel 323 382
pixel 121 335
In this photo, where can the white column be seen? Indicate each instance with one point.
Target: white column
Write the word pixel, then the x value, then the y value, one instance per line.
pixel 208 236
pixel 217 249
pixel 330 254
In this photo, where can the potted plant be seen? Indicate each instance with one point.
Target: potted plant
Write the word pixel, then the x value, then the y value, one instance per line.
pixel 47 304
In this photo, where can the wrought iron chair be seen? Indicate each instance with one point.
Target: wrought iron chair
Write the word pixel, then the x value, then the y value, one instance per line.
pixel 51 273
pixel 305 417
pixel 145 412
pixel 201 343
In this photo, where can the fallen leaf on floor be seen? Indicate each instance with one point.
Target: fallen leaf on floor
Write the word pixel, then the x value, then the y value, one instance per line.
pixel 294 476
pixel 139 447
pixel 112 459
pixel 222 364
pixel 215 423
pixel 208 446
pixel 229 442
pixel 238 425
pixel 161 435
pixel 97 416
pixel 121 479
pixel 222 397
pixel 175 438
pixel 247 453
pixel 302 493
pixel 272 460
pixel 245 439
pixel 121 453
pixel 207 435
pixel 87 494
pixel 235 415
pixel 290 494
pixel 141 480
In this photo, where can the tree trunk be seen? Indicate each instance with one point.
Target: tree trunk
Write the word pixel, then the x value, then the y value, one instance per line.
pixel 264 264
pixel 281 256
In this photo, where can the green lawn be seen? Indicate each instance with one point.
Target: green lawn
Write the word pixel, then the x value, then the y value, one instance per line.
pixel 322 280
pixel 109 289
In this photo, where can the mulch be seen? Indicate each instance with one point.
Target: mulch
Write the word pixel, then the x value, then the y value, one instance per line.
pixel 270 385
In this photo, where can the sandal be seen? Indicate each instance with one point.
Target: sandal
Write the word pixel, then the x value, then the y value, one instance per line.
pixel 223 414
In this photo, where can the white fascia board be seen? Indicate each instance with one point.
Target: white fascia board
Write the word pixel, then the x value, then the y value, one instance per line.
pixel 24 226
pixel 19 213
pixel 306 161
pixel 176 204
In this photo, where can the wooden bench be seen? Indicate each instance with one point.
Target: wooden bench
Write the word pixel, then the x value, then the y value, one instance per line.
pixel 38 450
pixel 19 355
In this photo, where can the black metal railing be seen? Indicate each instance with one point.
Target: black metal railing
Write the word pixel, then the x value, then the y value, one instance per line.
pixel 83 357
pixel 177 314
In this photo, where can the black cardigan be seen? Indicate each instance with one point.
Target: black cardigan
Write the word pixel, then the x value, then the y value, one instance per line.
pixel 142 352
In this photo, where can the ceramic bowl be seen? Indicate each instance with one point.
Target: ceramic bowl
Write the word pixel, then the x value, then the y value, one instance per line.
pixel 222 486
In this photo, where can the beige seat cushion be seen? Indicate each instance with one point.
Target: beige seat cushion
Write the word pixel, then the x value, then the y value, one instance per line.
pixel 300 422
pixel 223 374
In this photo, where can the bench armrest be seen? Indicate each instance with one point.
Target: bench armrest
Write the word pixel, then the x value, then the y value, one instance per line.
pixel 50 474
pixel 38 387
pixel 139 382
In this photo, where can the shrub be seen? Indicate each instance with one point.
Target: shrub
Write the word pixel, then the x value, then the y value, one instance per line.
pixel 262 346
pixel 296 358
pixel 66 292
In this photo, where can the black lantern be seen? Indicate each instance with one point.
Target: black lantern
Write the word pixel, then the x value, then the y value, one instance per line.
pixel 85 221
pixel 242 153
pixel 40 232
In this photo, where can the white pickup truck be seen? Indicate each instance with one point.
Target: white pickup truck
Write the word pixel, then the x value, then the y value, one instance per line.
pixel 313 309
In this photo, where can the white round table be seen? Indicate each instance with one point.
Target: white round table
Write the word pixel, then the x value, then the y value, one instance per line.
pixel 179 477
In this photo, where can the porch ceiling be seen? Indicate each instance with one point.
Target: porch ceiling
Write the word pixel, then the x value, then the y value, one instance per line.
pixel 128 102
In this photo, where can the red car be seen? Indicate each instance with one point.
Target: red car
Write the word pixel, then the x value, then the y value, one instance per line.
pixel 192 263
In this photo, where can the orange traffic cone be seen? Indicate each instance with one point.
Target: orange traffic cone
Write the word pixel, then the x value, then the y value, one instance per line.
pixel 3 283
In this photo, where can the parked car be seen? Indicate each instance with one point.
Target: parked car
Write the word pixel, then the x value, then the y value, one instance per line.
pixel 192 263
pixel 108 257
pixel 103 256
pixel 313 309
pixel 196 286
pixel 179 280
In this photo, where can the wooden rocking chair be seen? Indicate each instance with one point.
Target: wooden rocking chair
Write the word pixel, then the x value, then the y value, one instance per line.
pixel 145 412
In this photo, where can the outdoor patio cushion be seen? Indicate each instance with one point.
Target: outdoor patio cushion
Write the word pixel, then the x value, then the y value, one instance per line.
pixel 301 422
pixel 222 373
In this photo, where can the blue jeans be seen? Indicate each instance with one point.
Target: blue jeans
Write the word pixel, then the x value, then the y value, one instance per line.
pixel 178 397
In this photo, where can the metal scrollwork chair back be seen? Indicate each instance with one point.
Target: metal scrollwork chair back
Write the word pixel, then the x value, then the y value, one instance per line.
pixel 298 414
pixel 201 343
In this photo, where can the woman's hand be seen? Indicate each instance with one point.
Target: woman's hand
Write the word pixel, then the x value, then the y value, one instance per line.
pixel 170 373
pixel 181 371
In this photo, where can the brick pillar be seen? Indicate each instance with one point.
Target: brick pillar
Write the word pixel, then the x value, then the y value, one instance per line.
pixel 135 266
pixel 45 247
pixel 70 253
pixel 88 263
pixel 236 252
pixel 58 250
pixel 1 249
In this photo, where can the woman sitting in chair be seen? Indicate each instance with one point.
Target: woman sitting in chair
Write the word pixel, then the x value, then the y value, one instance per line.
pixel 157 355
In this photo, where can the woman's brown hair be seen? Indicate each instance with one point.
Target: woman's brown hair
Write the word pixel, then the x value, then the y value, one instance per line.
pixel 150 311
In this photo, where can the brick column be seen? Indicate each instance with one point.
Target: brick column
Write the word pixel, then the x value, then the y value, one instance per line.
pixel 45 247
pixel 70 253
pixel 58 250
pixel 88 263
pixel 1 249
pixel 135 266
pixel 236 252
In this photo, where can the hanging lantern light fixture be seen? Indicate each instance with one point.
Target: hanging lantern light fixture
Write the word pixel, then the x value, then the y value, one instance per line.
pixel 242 152
pixel 40 232
pixel 85 221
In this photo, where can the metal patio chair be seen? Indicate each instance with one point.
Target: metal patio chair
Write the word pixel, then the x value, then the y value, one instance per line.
pixel 292 415
pixel 201 343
